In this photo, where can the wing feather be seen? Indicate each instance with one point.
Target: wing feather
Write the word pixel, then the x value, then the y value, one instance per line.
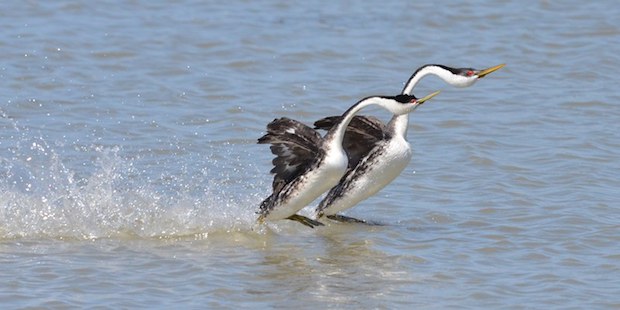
pixel 295 145
pixel 361 135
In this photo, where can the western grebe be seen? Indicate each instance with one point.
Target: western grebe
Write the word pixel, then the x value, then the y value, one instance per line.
pixel 307 165
pixel 378 153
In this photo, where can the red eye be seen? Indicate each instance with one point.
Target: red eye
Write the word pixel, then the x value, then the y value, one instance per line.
pixel 470 73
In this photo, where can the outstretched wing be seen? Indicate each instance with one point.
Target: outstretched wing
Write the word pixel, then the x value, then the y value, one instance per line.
pixel 361 135
pixel 295 146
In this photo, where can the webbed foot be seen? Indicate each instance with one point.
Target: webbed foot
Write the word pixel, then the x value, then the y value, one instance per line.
pixel 305 220
pixel 345 219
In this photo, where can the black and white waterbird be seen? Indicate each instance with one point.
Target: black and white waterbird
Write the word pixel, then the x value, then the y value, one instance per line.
pixel 379 152
pixel 307 165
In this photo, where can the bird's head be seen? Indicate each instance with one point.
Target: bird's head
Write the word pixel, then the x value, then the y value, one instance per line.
pixel 465 77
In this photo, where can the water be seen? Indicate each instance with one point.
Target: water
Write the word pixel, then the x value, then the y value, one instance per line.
pixel 129 173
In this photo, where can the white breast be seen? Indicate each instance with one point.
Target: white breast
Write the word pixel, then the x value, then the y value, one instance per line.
pixel 394 158
pixel 312 185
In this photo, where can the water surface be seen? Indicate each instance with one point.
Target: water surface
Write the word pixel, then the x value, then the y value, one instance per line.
pixel 129 172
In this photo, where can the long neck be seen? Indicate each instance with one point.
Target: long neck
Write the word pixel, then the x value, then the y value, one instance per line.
pixel 441 71
pixel 400 123
pixel 336 134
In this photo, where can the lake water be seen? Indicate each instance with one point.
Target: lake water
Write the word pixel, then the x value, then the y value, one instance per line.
pixel 130 173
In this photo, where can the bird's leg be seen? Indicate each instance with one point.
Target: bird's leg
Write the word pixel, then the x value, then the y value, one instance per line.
pixel 305 220
pixel 345 219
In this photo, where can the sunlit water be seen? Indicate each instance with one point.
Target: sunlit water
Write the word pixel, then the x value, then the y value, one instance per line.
pixel 130 177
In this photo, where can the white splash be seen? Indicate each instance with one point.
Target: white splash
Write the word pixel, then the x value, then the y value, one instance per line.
pixel 41 198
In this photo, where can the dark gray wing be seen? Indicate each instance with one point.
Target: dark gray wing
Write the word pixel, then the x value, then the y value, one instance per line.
pixel 295 145
pixel 361 135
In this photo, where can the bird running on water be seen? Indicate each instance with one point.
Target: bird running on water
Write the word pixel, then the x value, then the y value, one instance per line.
pixel 307 165
pixel 378 153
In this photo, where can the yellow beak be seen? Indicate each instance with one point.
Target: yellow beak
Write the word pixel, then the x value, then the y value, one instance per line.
pixel 484 72
pixel 422 100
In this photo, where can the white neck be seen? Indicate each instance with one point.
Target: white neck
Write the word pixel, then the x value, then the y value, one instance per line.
pixel 400 123
pixel 336 133
pixel 447 76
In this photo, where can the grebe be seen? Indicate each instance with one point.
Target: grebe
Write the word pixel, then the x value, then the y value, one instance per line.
pixel 307 165
pixel 378 153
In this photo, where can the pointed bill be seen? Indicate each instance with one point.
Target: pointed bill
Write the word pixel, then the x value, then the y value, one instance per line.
pixel 486 71
pixel 426 98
